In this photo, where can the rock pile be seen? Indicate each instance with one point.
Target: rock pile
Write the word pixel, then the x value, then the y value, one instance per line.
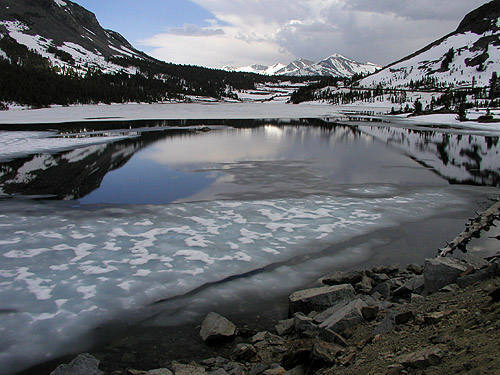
pixel 315 338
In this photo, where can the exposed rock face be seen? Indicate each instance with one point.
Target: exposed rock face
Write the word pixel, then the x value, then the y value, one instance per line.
pixel 83 364
pixel 319 299
pixel 439 272
pixel 216 328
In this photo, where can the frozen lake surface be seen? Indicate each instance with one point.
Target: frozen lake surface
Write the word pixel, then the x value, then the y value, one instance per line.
pixel 138 216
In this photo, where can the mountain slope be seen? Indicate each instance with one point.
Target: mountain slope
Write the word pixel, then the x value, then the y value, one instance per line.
pixel 470 53
pixel 335 65
pixel 65 33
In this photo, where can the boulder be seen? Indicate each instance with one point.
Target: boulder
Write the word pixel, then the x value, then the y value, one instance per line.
pixel 422 358
pixel 384 289
pixel 388 270
pixel 325 353
pixel 216 328
pixel 413 285
pixel 469 259
pixel 480 275
pixel 319 299
pixel 219 371
pixel 191 369
pixel 299 353
pixel 328 335
pixel 285 327
pixel 346 317
pixel 274 371
pixel 83 364
pixel 304 323
pixel 378 277
pixel 439 272
pixel 364 286
pixel 415 269
pixel 339 277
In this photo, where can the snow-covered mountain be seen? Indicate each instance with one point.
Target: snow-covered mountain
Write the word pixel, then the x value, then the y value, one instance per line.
pixel 335 65
pixel 65 33
pixel 471 52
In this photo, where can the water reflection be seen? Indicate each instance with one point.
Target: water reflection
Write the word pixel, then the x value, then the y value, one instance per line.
pixel 276 159
pixel 460 159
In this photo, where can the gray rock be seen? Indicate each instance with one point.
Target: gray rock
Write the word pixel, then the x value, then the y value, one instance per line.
pixel 469 259
pixel 386 325
pixel 339 277
pixel 324 353
pixel 346 317
pixel 378 277
pixel 422 358
pixel 364 286
pixel 480 275
pixel 234 368
pixel 268 337
pixel 439 272
pixel 388 270
pixel 324 315
pixel 216 328
pixel 415 269
pixel 328 335
pixel 413 285
pixel 285 327
pixel 244 352
pixel 319 299
pixel 258 369
pixel 191 369
pixel 83 364
pixel 384 289
pixel 304 323
pixel 159 371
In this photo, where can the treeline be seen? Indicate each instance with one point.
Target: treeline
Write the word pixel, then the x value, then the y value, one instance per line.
pixel 29 79
pixel 309 92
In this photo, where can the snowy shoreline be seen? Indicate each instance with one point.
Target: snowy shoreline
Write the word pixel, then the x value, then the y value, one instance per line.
pixel 223 111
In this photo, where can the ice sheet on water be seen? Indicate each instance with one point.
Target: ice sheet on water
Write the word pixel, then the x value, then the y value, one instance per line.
pixel 65 270
pixel 18 143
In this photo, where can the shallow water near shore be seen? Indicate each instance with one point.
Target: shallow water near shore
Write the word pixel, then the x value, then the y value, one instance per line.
pixel 157 228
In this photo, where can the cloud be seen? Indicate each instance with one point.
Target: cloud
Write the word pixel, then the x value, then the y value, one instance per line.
pixel 267 31
pixel 194 30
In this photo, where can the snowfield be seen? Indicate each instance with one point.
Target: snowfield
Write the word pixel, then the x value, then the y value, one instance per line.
pixel 221 111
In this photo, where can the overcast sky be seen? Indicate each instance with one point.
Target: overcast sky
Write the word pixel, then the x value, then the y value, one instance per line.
pixel 242 32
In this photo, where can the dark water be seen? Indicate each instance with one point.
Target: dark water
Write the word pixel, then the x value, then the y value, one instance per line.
pixel 269 160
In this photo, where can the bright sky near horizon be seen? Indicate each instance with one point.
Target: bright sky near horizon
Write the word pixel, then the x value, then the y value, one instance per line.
pixel 242 32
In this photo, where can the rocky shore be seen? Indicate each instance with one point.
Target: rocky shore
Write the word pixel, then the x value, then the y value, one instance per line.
pixel 441 317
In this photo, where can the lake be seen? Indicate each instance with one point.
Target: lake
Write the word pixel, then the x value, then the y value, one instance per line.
pixel 111 224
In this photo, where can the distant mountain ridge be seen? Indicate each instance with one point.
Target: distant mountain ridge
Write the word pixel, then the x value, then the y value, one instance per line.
pixel 335 65
pixel 469 55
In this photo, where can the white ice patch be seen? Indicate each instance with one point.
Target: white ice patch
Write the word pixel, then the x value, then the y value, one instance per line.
pixel 80 274
pixel 19 143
